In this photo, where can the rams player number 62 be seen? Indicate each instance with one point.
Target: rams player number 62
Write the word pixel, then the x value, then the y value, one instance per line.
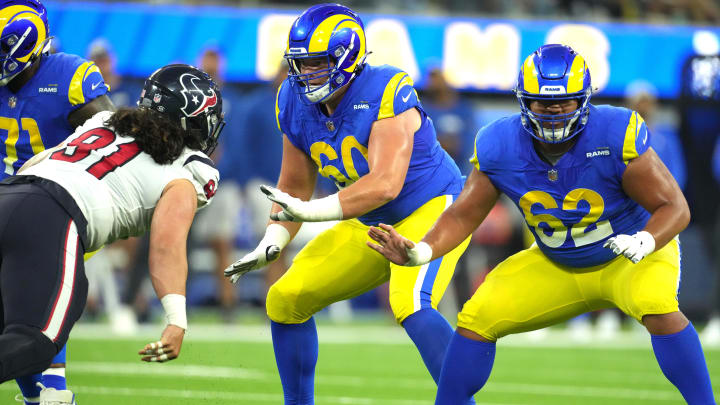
pixel 605 213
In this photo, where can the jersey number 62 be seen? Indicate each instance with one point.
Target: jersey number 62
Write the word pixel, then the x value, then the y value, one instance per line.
pixel 578 232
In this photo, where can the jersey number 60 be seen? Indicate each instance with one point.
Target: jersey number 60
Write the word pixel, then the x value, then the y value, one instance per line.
pixel 348 144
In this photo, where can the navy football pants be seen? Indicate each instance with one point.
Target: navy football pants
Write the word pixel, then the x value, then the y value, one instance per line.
pixel 42 278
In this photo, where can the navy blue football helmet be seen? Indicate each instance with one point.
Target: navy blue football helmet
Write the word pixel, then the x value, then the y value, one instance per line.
pixel 189 97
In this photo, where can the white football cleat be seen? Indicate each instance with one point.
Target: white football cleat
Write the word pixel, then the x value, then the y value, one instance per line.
pixel 51 396
pixel 580 329
pixel 711 334
pixel 27 401
pixel 607 325
pixel 538 335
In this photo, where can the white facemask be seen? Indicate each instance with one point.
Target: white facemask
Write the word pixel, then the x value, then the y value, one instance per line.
pixel 318 92
pixel 553 135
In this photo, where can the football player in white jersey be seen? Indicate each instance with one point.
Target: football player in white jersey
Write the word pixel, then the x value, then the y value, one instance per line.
pixel 119 175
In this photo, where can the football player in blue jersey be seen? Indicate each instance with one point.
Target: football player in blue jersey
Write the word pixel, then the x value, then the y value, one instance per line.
pixel 605 213
pixel 43 98
pixel 364 127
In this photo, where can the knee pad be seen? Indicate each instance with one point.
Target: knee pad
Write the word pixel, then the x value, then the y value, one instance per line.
pixel 282 304
pixel 402 304
pixel 33 333
pixel 24 350
pixel 401 308
pixel 278 305
pixel 43 343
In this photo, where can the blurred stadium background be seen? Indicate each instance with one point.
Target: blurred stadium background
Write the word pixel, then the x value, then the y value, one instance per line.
pixel 659 57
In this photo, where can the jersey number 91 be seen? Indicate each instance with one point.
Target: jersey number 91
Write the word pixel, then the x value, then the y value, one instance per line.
pixel 97 138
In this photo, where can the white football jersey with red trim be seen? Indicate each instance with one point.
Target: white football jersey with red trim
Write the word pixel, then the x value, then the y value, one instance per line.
pixel 114 183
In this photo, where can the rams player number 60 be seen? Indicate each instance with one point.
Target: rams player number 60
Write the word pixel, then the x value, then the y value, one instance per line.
pixel 364 127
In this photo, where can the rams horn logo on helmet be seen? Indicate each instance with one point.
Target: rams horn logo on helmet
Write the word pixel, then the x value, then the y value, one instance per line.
pixel 195 100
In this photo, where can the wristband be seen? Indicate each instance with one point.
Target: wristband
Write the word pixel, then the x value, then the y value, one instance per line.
pixel 325 209
pixel 174 305
pixel 275 234
pixel 419 255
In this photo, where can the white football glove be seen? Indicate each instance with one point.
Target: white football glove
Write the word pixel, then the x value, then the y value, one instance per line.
pixel 634 247
pixel 297 210
pixel 275 239
pixel 256 259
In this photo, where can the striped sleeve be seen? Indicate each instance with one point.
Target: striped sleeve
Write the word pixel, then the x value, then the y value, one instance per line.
pixel 86 84
pixel 285 115
pixel 637 138
pixel 201 171
pixel 398 96
pixel 277 108
pixel 479 160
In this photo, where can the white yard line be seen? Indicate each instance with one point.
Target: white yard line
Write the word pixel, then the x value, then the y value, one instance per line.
pixel 165 370
pixel 237 373
pixel 584 391
pixel 241 397
pixel 244 373
pixel 355 334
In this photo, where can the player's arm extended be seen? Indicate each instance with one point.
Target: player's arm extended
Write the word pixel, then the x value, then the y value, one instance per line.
pixel 298 174
pixel 649 183
pixel 169 229
pixel 389 150
pixel 454 225
pixel 297 182
pixel 82 114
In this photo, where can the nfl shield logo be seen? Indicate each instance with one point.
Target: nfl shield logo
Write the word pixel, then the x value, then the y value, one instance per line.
pixel 553 174
pixel 157 97
pixel 12 101
pixel 330 126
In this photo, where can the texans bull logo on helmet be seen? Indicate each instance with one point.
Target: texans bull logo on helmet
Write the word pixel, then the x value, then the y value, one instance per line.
pixel 196 101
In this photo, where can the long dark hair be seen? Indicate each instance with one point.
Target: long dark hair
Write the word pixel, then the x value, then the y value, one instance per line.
pixel 154 133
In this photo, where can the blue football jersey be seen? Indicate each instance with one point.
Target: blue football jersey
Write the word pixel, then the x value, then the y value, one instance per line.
pixel 36 117
pixel 339 144
pixel 571 207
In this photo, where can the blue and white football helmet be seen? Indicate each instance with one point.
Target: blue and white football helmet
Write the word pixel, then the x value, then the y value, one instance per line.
pixel 24 36
pixel 331 31
pixel 554 72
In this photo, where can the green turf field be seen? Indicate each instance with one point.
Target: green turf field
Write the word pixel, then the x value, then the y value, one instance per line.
pixel 235 365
